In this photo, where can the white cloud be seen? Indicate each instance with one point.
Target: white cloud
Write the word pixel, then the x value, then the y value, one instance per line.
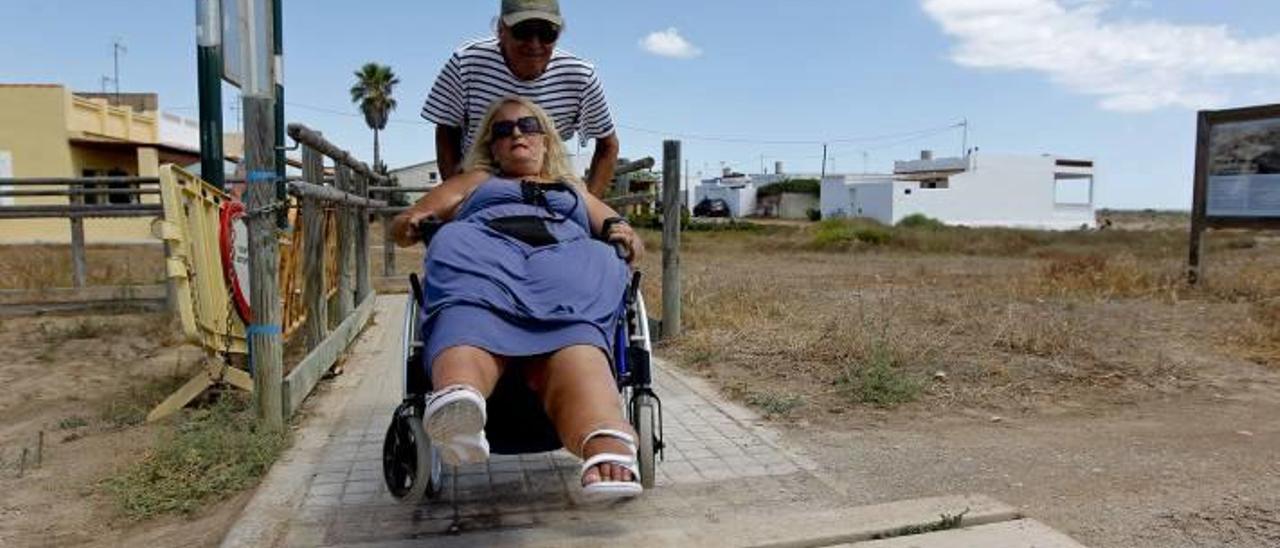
pixel 1130 65
pixel 669 43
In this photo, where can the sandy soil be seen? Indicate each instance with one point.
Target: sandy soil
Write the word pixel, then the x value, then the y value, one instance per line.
pixel 77 379
pixel 1200 468
pixel 1146 420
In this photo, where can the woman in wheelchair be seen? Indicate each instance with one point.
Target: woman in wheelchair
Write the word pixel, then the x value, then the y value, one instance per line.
pixel 525 274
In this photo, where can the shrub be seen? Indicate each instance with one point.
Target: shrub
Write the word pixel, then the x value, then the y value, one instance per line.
pixel 842 233
pixel 920 220
pixel 790 186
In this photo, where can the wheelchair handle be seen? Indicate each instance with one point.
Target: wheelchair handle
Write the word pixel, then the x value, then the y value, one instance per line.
pixel 427 229
pixel 623 252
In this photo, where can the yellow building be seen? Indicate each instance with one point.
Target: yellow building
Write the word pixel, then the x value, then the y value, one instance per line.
pixel 48 131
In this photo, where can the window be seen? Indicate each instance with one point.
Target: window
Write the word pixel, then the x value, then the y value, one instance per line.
pixel 121 199
pixel 937 182
pixel 433 176
pixel 91 199
pixel 1072 189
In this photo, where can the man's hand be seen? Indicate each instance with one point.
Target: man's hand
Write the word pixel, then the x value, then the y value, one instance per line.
pixel 622 234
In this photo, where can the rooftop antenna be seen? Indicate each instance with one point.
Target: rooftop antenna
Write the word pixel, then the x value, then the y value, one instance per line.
pixel 117 47
pixel 964 143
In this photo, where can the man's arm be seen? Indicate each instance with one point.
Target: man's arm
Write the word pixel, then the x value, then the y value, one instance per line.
pixel 448 150
pixel 603 162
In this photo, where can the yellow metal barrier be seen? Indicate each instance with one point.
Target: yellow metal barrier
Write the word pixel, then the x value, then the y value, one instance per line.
pixel 191 228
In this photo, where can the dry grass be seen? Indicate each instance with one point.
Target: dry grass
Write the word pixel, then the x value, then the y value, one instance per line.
pixel 1003 318
pixel 36 267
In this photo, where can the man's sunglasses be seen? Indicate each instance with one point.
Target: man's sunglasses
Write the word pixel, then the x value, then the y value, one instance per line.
pixel 544 31
pixel 528 125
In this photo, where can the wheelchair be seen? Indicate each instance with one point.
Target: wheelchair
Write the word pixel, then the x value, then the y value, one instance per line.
pixel 517 422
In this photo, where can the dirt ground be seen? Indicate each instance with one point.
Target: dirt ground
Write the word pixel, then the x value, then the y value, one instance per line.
pixel 83 381
pixel 1100 394
pixel 1074 375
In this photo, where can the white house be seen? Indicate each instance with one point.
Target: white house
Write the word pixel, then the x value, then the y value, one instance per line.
pixel 739 191
pixel 1044 192
pixel 423 174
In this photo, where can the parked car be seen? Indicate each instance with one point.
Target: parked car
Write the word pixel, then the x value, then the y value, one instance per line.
pixel 709 207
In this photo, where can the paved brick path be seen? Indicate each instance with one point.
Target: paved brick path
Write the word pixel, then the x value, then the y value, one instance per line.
pixel 714 452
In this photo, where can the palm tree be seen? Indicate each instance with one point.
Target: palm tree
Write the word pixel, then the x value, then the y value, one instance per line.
pixel 372 92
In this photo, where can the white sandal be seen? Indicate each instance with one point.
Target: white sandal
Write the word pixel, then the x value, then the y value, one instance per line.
pixel 606 490
pixel 454 419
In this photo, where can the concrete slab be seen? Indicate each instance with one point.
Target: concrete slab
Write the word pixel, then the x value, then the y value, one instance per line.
pixel 1022 533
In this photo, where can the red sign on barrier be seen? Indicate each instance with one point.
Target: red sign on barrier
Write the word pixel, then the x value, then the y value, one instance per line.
pixel 234 240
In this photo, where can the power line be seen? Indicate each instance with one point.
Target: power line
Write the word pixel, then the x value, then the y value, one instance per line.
pixel 755 141
pixel 907 135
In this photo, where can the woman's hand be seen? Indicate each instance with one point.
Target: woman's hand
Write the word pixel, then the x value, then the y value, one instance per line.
pixel 621 233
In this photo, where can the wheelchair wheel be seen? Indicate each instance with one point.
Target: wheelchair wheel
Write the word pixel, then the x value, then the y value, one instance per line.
pixel 643 418
pixel 410 466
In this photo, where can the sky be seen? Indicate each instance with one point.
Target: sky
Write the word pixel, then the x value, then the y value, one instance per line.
pixel 745 83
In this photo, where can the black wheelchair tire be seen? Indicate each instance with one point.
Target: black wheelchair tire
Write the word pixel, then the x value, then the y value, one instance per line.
pixel 425 467
pixel 644 419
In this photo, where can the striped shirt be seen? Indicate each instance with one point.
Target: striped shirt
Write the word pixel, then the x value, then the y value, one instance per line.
pixel 476 75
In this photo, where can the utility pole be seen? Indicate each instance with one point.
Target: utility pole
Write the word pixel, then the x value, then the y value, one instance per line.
pixel 117 47
pixel 824 164
pixel 865 168
pixel 964 142
pixel 264 335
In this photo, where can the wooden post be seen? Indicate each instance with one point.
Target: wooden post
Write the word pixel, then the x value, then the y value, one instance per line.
pixel 314 240
pixel 149 166
pixel 362 241
pixel 346 241
pixel 388 246
pixel 264 258
pixel 77 242
pixel 671 217
pixel 1199 201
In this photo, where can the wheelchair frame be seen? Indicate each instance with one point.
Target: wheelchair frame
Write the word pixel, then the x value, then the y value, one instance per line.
pixel 412 468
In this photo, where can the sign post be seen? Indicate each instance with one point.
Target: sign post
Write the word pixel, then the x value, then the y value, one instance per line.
pixel 1237 175
pixel 209 81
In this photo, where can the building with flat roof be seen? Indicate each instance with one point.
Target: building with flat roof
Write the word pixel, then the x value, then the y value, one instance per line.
pixel 1023 191
pixel 48 131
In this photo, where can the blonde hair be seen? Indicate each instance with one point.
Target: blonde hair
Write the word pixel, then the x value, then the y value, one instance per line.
pixel 555 161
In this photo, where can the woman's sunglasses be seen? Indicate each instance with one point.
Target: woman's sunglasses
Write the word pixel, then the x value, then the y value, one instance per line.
pixel 545 32
pixel 528 125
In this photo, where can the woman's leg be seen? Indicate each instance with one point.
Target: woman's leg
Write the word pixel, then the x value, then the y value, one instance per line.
pixel 581 396
pixel 469 366
pixel 455 416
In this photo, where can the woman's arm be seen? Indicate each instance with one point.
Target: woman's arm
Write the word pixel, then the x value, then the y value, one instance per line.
pixel 619 233
pixel 441 203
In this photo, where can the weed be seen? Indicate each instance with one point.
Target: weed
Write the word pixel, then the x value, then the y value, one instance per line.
pixel 72 422
pixel 775 403
pixel 878 380
pixel 215 453
pixel 945 522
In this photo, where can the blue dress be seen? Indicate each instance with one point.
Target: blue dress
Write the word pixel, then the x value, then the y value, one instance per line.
pixel 490 289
